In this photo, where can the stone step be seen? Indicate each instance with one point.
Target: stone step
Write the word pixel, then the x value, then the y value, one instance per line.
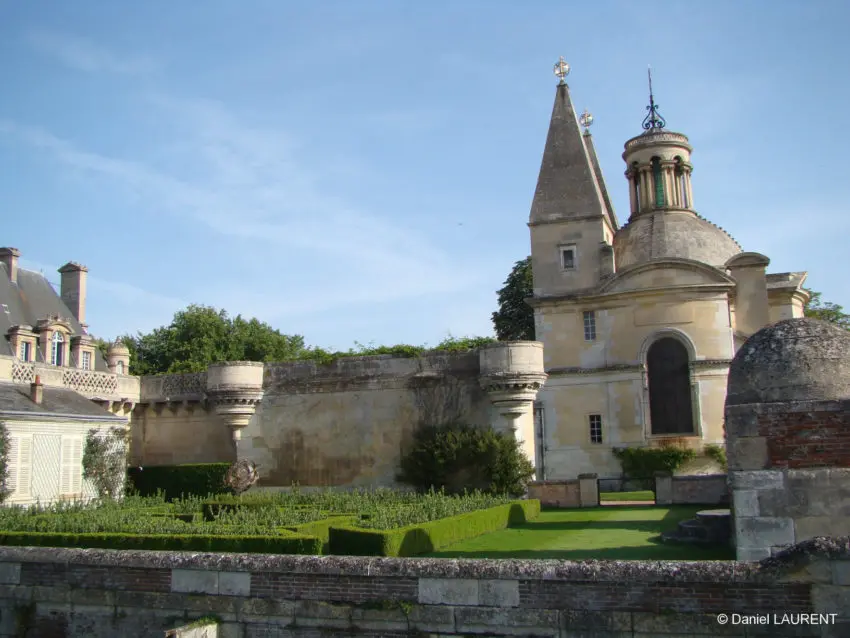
pixel 692 529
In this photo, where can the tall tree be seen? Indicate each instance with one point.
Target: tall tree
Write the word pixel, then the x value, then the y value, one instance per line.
pixel 816 308
pixel 514 320
pixel 201 335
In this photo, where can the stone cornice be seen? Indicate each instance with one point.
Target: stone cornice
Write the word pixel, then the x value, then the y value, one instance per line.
pixel 699 364
pixel 565 218
pixel 593 295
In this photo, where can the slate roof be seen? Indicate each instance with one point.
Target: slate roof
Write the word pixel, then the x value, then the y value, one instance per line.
pixel 567 186
pixel 55 401
pixel 31 299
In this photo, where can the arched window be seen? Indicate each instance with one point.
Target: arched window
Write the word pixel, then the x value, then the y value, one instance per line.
pixel 670 404
pixel 57 348
pixel 119 368
pixel 658 182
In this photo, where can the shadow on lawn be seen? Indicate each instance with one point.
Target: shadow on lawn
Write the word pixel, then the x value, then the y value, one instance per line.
pixel 578 526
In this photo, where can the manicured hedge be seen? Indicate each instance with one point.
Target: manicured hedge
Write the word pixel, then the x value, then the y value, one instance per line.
pixel 176 481
pixel 282 543
pixel 427 537
pixel 321 529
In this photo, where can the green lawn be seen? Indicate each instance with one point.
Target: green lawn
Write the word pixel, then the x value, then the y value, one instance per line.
pixel 621 533
pixel 641 495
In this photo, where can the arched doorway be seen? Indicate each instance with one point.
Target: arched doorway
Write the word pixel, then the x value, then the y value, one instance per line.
pixel 670 404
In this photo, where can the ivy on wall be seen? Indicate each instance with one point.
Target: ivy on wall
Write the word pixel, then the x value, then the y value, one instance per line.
pixel 5 443
pixel 105 461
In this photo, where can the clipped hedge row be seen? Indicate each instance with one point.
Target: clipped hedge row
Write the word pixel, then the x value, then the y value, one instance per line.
pixel 321 529
pixel 177 481
pixel 283 543
pixel 424 538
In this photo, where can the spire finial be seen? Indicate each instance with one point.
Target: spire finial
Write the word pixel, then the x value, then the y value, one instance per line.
pixel 653 119
pixel 562 69
pixel 586 119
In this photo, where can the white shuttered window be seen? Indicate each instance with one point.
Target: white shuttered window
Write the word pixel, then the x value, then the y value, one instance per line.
pixel 19 478
pixel 71 467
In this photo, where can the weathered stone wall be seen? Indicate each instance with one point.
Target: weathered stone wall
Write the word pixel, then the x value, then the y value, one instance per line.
pixel 100 593
pixel 700 490
pixel 179 432
pixel 346 423
pixel 580 492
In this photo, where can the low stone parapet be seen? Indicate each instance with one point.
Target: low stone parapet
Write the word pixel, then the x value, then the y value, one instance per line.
pixel 580 492
pixel 705 489
pixel 100 593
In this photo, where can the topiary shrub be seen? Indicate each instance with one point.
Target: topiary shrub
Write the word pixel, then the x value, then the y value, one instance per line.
pixel 458 458
pixel 105 461
pixel 5 443
pixel 179 481
pixel 641 463
pixel 717 453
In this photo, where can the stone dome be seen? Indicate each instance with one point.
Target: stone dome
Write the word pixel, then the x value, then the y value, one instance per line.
pixel 117 347
pixel 670 233
pixel 792 360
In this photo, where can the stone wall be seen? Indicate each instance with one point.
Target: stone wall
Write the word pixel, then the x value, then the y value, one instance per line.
pixel 580 492
pixel 706 489
pixel 789 468
pixel 100 593
pixel 344 423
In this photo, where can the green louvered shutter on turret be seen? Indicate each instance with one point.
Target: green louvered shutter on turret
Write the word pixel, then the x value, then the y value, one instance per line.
pixel 659 183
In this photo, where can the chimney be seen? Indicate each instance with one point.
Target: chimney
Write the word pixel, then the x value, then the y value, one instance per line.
pixel 37 390
pixel 73 289
pixel 9 256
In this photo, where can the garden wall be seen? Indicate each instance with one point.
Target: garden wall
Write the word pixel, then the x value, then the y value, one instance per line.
pixel 580 492
pixel 99 593
pixel 707 489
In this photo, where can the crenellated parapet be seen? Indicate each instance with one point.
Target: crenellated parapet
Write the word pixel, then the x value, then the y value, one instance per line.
pixel 512 373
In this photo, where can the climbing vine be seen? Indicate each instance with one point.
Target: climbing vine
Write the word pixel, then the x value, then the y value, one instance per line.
pixel 5 443
pixel 105 461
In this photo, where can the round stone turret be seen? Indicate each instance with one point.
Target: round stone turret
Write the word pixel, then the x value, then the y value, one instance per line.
pixel 235 389
pixel 792 360
pixel 512 373
pixel 787 425
pixel 118 357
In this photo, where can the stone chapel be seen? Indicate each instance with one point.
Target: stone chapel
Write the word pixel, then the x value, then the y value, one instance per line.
pixel 640 321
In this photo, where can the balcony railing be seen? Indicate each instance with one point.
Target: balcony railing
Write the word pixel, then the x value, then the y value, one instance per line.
pixel 90 383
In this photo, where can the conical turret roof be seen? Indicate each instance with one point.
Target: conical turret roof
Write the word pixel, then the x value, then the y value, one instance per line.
pixel 567 187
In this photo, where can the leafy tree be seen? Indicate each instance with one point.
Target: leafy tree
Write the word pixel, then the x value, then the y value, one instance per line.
pixel 201 335
pixel 816 308
pixel 105 461
pixel 514 321
pixel 458 458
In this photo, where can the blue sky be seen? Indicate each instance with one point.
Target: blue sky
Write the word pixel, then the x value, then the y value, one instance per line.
pixel 363 171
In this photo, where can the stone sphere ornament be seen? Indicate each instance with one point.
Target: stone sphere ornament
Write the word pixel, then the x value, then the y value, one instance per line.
pixel 241 476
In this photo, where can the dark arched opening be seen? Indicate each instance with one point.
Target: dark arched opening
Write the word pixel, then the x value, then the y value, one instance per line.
pixel 670 404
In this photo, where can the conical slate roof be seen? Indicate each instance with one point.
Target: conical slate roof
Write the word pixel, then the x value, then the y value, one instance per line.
pixel 567 187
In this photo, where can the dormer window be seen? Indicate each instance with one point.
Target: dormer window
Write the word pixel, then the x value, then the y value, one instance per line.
pixel 56 349
pixel 25 351
pixel 86 360
pixel 568 257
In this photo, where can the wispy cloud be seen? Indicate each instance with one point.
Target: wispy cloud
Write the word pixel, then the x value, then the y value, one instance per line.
pixel 247 183
pixel 82 55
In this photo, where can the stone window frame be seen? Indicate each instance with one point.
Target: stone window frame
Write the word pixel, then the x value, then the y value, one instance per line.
pixel 26 350
pixel 594 431
pixel 696 409
pixel 86 360
pixel 588 322
pixel 57 348
pixel 563 248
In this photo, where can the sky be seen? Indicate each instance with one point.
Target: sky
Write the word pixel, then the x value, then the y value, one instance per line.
pixel 362 172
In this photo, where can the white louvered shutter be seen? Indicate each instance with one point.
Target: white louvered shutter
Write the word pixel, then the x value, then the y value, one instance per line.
pixel 12 474
pixel 66 466
pixel 77 463
pixel 24 486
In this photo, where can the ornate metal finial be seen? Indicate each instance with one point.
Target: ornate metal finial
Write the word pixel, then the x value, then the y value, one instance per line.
pixel 586 119
pixel 653 119
pixel 562 69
